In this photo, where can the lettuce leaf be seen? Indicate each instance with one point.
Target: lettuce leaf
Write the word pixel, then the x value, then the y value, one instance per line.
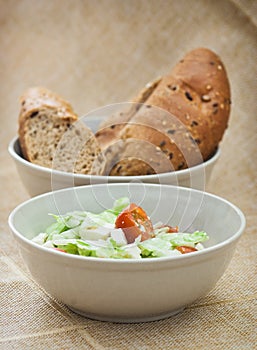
pixel 100 249
pixel 185 239
pixel 165 243
pixel 73 222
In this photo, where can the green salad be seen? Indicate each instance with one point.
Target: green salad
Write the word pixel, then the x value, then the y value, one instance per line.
pixel 121 232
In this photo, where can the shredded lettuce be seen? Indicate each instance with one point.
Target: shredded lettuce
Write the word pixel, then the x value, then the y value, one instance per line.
pixel 94 235
pixel 165 243
pixel 100 249
pixel 185 239
pixel 78 220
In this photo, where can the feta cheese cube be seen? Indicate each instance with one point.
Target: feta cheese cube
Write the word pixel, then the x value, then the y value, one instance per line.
pixel 118 235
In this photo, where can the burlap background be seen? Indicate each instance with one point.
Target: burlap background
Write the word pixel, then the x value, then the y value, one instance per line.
pixel 99 52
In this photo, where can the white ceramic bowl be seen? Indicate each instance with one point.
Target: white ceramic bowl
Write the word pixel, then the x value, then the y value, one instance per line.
pixel 38 179
pixel 130 290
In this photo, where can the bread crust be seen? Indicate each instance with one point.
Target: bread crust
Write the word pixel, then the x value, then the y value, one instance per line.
pixel 110 128
pixel 37 97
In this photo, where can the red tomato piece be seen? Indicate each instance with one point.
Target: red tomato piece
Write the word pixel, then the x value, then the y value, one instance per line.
pixel 134 221
pixel 60 250
pixel 172 229
pixel 185 250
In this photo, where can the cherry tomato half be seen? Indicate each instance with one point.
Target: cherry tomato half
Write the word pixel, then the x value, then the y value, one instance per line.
pixel 134 222
pixel 185 250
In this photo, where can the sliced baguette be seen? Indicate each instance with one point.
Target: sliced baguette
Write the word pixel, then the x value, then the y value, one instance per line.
pixel 51 135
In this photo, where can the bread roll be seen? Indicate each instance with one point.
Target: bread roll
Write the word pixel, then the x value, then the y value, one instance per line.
pixel 185 116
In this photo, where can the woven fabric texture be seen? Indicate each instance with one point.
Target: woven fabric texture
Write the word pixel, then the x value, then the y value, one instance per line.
pixel 95 53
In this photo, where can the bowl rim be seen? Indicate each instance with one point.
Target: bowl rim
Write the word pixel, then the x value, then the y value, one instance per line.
pixel 182 173
pixel 111 261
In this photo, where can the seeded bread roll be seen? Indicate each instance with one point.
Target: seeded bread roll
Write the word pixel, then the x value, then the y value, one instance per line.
pixel 51 135
pixel 184 116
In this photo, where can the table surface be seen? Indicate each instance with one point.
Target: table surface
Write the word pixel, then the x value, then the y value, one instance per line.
pixel 97 53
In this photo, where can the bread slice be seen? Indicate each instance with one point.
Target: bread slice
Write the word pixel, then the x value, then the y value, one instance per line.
pixel 51 135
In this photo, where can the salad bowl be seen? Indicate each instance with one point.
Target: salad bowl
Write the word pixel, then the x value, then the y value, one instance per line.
pixel 124 289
